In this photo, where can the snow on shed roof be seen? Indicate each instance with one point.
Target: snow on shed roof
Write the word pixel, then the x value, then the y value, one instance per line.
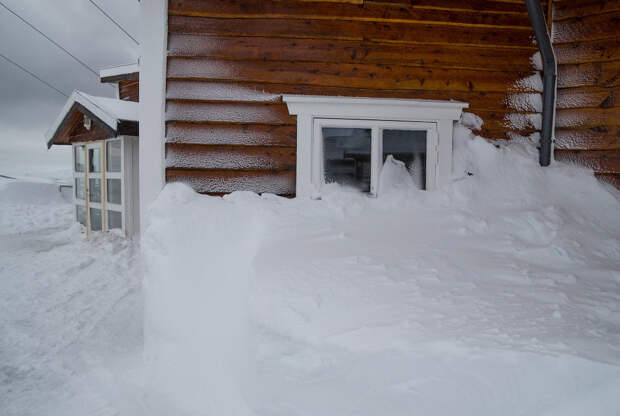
pixel 109 111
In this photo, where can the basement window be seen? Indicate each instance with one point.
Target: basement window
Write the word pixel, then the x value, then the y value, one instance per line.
pixel 352 152
pixel 347 140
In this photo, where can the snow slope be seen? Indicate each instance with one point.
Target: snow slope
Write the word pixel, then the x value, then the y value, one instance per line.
pixel 497 295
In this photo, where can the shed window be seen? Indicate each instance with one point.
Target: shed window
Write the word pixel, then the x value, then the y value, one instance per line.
pixel 100 185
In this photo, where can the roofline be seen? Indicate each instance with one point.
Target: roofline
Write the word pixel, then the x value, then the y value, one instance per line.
pixel 80 102
pixel 120 73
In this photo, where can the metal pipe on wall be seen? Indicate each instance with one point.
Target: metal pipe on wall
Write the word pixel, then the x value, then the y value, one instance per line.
pixel 537 19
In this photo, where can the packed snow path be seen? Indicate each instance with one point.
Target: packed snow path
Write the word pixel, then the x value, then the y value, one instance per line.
pixel 70 309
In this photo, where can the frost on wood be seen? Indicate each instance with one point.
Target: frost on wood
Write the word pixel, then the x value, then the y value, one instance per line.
pixel 523 121
pixel 531 83
pixel 525 102
pixel 239 181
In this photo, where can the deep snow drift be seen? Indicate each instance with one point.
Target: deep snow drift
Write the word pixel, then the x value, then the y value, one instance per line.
pixel 499 294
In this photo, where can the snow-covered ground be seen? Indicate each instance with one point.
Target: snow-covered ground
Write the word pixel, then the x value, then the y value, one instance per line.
pixel 499 294
pixel 70 309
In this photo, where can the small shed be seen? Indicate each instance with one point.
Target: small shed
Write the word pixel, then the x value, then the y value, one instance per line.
pixel 103 133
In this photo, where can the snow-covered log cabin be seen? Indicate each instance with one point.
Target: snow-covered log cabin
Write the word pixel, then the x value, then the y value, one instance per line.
pixel 283 96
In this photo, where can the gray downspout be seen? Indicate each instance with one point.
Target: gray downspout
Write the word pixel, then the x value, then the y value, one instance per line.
pixel 537 19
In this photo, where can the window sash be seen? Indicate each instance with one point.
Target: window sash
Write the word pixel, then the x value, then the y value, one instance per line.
pixel 376 156
pixel 103 176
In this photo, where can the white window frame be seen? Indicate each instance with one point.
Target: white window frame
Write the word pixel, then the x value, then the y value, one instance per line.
pixel 376 154
pixel 379 112
pixel 84 177
pixel 129 207
pixel 115 175
pixel 95 175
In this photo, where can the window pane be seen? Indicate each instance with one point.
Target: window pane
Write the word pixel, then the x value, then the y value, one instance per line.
pixel 114 191
pixel 115 220
pixel 347 156
pixel 95 219
pixel 94 190
pixel 80 211
pixel 79 188
pixel 94 160
pixel 113 156
pixel 78 155
pixel 408 146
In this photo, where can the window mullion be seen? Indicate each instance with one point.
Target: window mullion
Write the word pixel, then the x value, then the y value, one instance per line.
pixel 375 159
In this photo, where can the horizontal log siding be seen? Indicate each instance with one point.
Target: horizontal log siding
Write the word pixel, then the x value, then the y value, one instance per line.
pixel 230 61
pixel 587 44
pixel 129 90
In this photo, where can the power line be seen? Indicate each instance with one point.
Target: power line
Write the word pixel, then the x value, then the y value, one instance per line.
pixel 33 75
pixel 50 39
pixel 113 21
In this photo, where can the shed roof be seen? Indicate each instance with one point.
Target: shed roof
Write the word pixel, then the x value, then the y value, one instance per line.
pixel 111 116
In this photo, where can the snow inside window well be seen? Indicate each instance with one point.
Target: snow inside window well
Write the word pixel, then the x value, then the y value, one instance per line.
pixel 347 156
pixel 408 146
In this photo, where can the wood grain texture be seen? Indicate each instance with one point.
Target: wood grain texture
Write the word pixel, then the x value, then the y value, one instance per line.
pixel 230 180
pixel 572 9
pixel 418 33
pixel 347 51
pixel 198 156
pixel 229 113
pixel 600 74
pixel 595 138
pixel 587 123
pixel 231 134
pixel 587 28
pixel 581 97
pixel 369 76
pixel 370 12
pixel 601 161
pixel 589 51
pixel 242 91
pixel 129 90
pixel 230 62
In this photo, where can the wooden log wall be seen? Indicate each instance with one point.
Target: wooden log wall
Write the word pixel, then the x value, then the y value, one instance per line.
pixel 586 37
pixel 129 90
pixel 230 61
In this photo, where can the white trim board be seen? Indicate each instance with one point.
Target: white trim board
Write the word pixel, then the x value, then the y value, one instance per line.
pixel 308 108
pixel 154 31
pixel 115 71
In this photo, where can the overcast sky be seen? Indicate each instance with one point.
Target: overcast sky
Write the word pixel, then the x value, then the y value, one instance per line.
pixel 28 107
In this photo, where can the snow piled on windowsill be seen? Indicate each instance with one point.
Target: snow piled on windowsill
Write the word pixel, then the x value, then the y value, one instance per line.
pixel 495 295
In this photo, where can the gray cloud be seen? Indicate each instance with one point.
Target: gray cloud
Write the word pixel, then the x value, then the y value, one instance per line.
pixel 27 107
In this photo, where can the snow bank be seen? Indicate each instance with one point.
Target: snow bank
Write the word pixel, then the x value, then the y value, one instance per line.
pixel 196 327
pixel 495 295
pixel 30 205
